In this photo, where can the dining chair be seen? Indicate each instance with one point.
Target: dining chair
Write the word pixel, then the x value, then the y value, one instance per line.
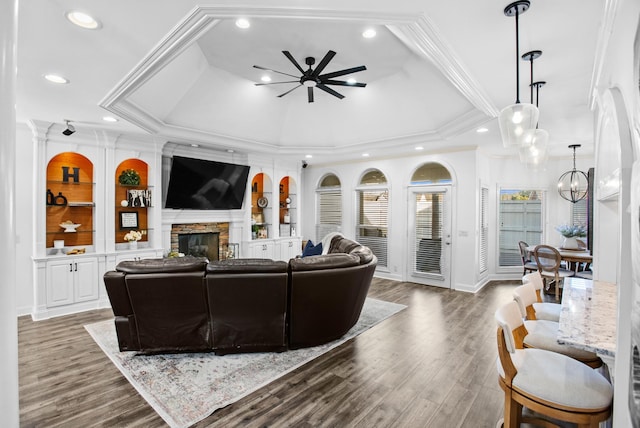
pixel 549 384
pixel 527 264
pixel 549 260
pixel 543 310
pixel 543 334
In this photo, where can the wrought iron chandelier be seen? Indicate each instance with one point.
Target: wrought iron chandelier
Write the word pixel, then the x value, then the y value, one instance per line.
pixel 573 185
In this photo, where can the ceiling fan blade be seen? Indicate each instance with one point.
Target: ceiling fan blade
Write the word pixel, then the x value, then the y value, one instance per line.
pixel 274 71
pixel 292 59
pixel 310 93
pixel 275 83
pixel 342 72
pixel 343 83
pixel 323 63
pixel 282 95
pixel 329 90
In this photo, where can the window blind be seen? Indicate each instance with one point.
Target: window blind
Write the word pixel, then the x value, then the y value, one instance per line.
pixel 329 212
pixel 371 230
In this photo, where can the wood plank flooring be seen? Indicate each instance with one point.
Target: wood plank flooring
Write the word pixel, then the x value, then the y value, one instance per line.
pixel 431 365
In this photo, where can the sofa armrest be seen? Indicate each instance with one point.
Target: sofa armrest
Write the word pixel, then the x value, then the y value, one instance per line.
pixel 117 291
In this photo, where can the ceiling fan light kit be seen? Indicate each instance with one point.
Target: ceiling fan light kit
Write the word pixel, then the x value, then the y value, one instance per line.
pixel 515 119
pixel 311 78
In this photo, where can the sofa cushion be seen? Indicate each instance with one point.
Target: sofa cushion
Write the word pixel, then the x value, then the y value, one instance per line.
pixel 246 266
pixel 340 244
pixel 312 250
pixel 167 265
pixel 327 261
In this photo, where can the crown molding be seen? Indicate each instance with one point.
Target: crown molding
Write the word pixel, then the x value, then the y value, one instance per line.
pixel 414 30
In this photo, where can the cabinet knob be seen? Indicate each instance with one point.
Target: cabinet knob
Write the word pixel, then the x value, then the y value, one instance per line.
pixel 70 267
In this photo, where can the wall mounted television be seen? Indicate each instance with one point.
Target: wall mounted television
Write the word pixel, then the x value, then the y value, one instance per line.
pixel 198 184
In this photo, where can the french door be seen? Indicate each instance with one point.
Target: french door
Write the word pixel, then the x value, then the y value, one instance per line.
pixel 430 235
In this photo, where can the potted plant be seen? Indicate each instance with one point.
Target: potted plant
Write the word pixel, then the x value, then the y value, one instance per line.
pixel 129 177
pixel 570 233
pixel 132 237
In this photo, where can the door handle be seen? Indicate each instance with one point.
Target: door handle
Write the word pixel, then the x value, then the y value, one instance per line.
pixel 76 267
pixel 70 267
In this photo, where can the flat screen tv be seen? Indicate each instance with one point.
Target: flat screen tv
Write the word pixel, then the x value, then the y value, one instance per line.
pixel 198 184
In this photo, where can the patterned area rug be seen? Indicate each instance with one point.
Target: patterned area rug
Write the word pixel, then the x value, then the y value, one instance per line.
pixel 186 388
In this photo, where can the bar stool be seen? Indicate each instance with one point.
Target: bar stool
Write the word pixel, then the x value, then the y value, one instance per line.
pixel 543 334
pixel 549 384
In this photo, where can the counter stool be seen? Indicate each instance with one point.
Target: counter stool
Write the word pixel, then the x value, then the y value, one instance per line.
pixel 543 334
pixel 549 384
pixel 543 310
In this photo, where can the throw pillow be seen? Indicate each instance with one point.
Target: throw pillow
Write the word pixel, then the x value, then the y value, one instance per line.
pixel 312 250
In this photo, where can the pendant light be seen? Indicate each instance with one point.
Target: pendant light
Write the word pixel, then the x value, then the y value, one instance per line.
pixel 533 149
pixel 517 118
pixel 573 185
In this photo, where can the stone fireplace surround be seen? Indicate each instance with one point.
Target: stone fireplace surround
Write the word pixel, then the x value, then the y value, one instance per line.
pixel 228 223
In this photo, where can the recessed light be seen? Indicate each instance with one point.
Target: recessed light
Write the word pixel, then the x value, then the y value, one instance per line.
pixel 54 78
pixel 109 119
pixel 369 33
pixel 308 156
pixel 481 130
pixel 419 148
pixel 230 151
pixel 365 155
pixel 83 20
pixel 265 78
pixel 195 145
pixel 243 23
pixel 351 81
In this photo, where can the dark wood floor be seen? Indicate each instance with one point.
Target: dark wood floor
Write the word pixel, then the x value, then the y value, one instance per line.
pixel 431 365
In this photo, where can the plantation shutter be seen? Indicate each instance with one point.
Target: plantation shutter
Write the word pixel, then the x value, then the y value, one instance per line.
pixel 484 230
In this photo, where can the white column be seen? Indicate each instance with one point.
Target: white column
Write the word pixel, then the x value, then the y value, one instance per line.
pixel 9 408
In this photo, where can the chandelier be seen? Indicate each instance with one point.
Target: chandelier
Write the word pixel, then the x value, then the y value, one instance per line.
pixel 573 185
pixel 516 118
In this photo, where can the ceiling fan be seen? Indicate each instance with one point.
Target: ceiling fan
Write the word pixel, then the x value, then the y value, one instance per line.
pixel 312 78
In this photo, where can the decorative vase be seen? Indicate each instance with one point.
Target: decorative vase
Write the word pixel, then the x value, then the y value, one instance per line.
pixel 133 245
pixel 570 243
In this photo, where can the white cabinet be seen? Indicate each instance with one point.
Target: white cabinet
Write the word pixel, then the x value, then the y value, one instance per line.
pixel 289 248
pixel 137 256
pixel 261 249
pixel 70 281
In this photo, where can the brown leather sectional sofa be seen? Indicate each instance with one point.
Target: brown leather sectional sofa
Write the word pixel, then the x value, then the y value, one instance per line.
pixel 239 305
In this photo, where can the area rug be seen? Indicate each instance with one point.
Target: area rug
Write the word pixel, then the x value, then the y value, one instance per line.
pixel 186 388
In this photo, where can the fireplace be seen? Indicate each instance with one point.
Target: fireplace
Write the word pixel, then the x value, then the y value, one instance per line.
pixel 200 244
pixel 209 240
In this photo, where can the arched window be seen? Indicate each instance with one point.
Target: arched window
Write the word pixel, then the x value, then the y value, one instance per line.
pixel 373 208
pixel 329 206
pixel 431 173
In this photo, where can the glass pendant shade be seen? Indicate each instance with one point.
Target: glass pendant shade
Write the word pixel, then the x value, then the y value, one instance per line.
pixel 515 120
pixel 533 151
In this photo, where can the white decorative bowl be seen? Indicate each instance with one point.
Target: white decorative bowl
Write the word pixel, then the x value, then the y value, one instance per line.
pixel 69 227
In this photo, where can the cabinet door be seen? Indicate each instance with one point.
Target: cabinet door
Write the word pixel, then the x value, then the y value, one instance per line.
pixel 85 279
pixel 59 283
pixel 289 249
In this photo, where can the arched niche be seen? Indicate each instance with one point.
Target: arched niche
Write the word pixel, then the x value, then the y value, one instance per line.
pixel 132 198
pixel 261 206
pixel 288 204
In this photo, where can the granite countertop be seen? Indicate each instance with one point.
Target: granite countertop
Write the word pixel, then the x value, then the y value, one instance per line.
pixel 588 316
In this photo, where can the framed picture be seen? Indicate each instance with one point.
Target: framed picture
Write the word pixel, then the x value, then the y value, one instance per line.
pixel 139 198
pixel 128 220
pixel 262 233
